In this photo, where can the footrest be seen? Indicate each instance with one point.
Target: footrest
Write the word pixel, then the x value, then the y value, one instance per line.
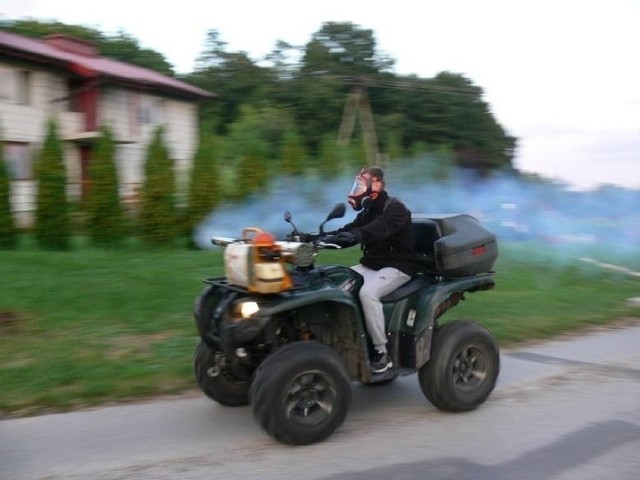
pixel 384 376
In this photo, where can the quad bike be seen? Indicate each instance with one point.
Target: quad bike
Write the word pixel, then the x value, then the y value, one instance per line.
pixel 289 337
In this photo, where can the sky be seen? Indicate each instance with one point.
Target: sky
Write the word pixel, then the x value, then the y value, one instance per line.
pixel 563 76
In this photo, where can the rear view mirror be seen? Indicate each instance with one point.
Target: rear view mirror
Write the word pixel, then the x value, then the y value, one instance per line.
pixel 337 212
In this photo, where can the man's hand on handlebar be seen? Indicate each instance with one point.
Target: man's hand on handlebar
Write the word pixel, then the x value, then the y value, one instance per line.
pixel 342 239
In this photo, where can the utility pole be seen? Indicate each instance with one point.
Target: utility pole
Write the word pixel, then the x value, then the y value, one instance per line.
pixel 357 105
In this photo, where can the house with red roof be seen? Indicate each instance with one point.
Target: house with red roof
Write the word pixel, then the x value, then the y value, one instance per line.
pixel 64 78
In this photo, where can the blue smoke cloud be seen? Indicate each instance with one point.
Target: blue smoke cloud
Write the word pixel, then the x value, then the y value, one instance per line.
pixel 548 214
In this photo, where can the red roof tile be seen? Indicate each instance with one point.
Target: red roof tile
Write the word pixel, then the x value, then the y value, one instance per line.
pixel 95 66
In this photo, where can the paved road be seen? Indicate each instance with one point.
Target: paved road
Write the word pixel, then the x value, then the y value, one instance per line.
pixel 563 410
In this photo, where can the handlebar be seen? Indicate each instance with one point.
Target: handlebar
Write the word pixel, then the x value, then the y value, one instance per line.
pixel 316 241
pixel 312 238
pixel 332 246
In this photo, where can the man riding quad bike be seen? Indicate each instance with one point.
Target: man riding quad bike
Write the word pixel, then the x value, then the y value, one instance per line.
pixel 289 336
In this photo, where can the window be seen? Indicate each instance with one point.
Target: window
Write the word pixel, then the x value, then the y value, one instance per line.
pixel 74 88
pixel 19 160
pixel 133 103
pixel 144 110
pixel 15 86
pixel 6 84
pixel 151 111
pixel 23 87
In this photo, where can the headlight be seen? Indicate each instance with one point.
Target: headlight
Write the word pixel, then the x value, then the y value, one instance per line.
pixel 245 309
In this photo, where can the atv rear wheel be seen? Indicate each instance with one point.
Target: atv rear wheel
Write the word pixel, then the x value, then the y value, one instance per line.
pixel 463 368
pixel 301 393
pixel 216 381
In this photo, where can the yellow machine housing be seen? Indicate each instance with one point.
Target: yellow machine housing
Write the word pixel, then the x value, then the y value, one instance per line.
pixel 256 263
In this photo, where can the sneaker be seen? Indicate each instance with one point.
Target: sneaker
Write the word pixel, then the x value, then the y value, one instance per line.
pixel 380 362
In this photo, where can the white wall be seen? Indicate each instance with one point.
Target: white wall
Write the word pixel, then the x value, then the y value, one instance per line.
pixel 27 122
pixel 132 116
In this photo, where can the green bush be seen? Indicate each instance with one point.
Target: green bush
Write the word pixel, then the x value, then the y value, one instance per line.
pixel 204 192
pixel 8 232
pixel 158 216
pixel 249 155
pixel 53 220
pixel 105 214
pixel 293 154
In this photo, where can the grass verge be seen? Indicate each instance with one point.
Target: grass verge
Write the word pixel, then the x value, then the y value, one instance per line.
pixel 91 326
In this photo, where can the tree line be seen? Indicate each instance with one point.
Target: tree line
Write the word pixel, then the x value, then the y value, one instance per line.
pixel 305 88
pixel 280 116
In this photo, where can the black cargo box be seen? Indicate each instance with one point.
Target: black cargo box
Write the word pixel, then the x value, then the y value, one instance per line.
pixel 453 245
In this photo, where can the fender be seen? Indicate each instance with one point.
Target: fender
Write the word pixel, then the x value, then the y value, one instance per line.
pixel 284 303
pixel 219 296
pixel 412 319
pixel 337 310
pixel 437 302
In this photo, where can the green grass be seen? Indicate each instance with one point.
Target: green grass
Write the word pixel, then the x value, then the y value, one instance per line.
pixel 534 300
pixel 93 326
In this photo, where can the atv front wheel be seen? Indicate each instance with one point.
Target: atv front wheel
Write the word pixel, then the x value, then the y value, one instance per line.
pixel 216 381
pixel 463 368
pixel 301 393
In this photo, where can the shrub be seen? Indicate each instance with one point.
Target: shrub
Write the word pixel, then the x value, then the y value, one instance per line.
pixel 158 219
pixel 204 194
pixel 104 209
pixel 8 232
pixel 53 220
pixel 293 154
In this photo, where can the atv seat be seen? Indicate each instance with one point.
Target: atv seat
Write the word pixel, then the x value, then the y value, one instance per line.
pixel 416 283
pixel 425 234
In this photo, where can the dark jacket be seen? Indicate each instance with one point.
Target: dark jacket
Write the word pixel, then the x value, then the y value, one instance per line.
pixel 386 234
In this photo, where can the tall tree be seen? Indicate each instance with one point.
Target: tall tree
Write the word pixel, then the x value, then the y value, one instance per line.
pixel 8 231
pixel 126 48
pixel 448 110
pixel 334 159
pixel 158 219
pixel 249 153
pixel 338 56
pixel 317 104
pixel 204 187
pixel 283 59
pixel 342 48
pixel 120 46
pixel 37 29
pixel 294 157
pixel 53 220
pixel 473 131
pixel 106 218
pixel 235 78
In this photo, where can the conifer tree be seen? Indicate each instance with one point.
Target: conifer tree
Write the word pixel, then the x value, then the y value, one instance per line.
pixel 204 194
pixel 247 153
pixel 8 231
pixel 104 208
pixel 53 220
pixel 329 156
pixel 158 219
pixel 394 147
pixel 293 154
